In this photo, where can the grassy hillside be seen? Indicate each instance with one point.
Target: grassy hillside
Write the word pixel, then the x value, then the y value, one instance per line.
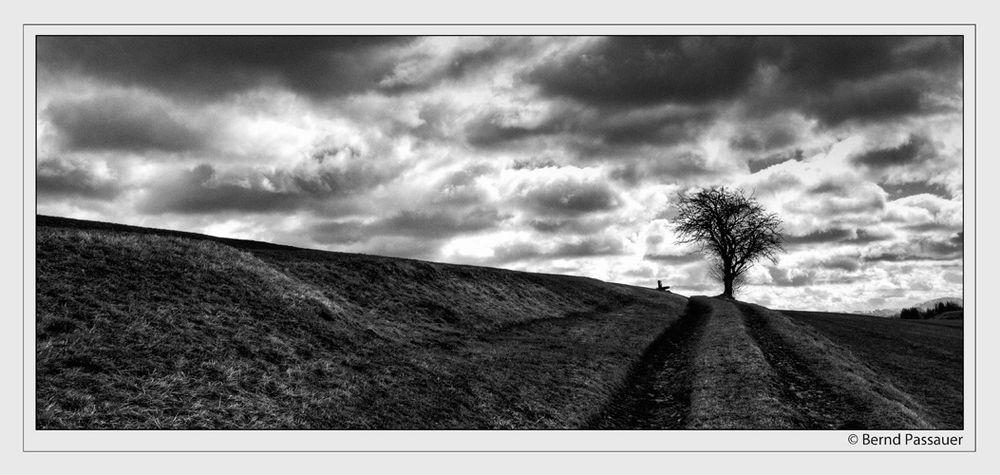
pixel 141 329
pixel 922 357
pixel 733 365
pixel 756 368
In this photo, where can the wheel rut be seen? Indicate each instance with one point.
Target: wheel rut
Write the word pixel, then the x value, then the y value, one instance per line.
pixel 657 391
pixel 813 402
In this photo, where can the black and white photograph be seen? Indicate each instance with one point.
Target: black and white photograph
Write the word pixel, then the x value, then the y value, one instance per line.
pixel 562 232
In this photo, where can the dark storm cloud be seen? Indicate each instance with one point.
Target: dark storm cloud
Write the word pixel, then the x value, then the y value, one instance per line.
pixel 845 235
pixel 902 190
pixel 601 132
pixel 934 226
pixel 863 236
pixel 867 102
pixel 123 122
pixel 756 164
pixel 844 263
pixel 829 186
pixel 674 258
pixel 571 198
pixel 815 237
pixel 835 79
pixel 425 225
pixel 570 225
pixel 820 62
pixel 191 192
pixel 758 141
pixel 923 249
pixel 63 178
pixel 587 247
pixel 204 190
pixel 633 70
pixel 951 246
pixel 439 224
pixel 212 66
pixel 914 149
pixel 839 79
pixel 905 257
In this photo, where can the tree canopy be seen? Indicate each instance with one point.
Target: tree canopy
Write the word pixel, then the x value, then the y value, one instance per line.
pixel 730 228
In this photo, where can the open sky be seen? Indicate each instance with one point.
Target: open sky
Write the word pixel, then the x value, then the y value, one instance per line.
pixel 548 154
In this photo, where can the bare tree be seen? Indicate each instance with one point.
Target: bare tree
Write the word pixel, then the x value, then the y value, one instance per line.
pixel 731 228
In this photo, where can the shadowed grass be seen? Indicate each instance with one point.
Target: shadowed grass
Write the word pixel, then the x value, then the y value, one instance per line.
pixel 922 357
pixel 881 404
pixel 141 330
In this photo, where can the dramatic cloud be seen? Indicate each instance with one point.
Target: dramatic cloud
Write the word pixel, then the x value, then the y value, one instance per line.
pixel 550 154
pixel 582 248
pixel 211 66
pixel 915 148
pixel 121 122
pixel 844 263
pixel 636 70
pixel 842 235
pixel 557 192
pixel 436 225
pixel 57 178
pixel 790 278
pixel 204 190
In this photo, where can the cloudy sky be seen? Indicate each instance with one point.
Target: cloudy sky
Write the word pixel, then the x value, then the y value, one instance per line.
pixel 550 154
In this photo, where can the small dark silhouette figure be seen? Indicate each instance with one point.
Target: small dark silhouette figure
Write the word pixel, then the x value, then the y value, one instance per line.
pixel 659 286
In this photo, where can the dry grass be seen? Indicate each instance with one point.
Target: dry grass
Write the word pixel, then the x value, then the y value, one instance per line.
pixel 922 357
pixel 734 386
pixel 881 404
pixel 138 330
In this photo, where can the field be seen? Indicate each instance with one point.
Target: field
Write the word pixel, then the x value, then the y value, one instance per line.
pixel 922 357
pixel 148 329
pixel 157 331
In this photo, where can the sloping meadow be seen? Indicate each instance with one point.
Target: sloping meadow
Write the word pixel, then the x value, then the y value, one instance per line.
pixel 148 331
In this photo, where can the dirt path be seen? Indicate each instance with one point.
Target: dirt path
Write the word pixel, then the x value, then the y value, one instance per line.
pixel 657 392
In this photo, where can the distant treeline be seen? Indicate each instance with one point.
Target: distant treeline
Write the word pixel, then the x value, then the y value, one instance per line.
pixel 914 313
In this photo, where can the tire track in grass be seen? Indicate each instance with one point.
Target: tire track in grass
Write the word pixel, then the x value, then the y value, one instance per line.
pixel 813 403
pixel 657 391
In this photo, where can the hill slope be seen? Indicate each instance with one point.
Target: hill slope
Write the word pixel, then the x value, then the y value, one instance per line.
pixel 142 329
pixel 921 357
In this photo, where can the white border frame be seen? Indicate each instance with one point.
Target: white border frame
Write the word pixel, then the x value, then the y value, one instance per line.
pixel 499 440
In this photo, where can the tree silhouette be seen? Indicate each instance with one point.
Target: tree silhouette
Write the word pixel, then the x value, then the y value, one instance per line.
pixel 731 228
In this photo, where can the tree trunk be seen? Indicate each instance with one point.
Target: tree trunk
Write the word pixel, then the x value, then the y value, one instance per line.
pixel 727 281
